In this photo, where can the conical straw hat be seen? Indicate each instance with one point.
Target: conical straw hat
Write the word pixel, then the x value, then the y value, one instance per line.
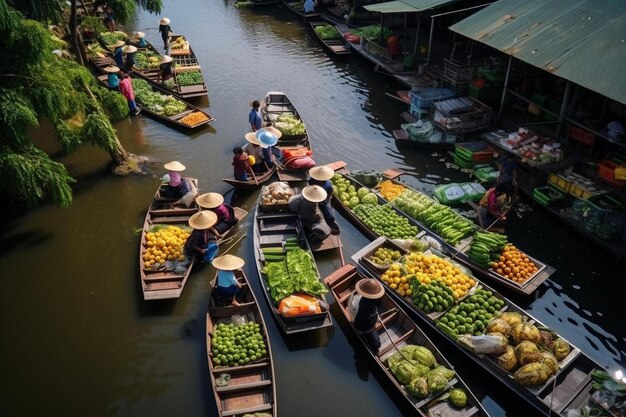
pixel 209 200
pixel 251 137
pixel 203 220
pixel 370 288
pixel 274 131
pixel 140 35
pixel 228 262
pixel 129 49
pixel 117 44
pixel 321 173
pixel 314 193
pixel 111 68
pixel 166 59
pixel 164 21
pixel 174 166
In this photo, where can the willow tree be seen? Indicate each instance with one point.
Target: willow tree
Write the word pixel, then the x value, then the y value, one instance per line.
pixel 37 84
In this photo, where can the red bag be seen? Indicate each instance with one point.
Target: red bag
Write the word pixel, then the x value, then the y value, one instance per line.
pixel 304 162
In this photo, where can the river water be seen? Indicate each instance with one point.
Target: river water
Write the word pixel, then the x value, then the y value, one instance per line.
pixel 77 338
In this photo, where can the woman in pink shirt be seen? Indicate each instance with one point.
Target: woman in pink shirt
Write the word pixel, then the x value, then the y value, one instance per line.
pixel 225 213
pixel 126 88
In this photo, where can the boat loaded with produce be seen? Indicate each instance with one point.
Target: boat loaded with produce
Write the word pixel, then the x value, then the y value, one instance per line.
pixel 280 112
pixel 288 273
pixel 188 80
pixel 239 355
pixel 407 357
pixel 331 38
pixel 164 267
pixel 488 254
pixel 528 357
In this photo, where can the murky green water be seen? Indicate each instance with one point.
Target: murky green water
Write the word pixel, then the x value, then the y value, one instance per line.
pixel 77 338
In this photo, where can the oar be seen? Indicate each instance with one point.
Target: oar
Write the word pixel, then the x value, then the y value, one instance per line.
pixel 391 338
pixel 395 97
pixel 256 182
pixel 343 263
pixel 231 246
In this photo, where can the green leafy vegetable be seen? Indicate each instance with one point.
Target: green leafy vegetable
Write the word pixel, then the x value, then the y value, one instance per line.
pixel 327 32
pixel 190 78
pixel 289 125
pixel 296 274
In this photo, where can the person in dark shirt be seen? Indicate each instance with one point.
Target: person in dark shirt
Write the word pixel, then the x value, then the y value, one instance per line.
pixel 165 29
pixel 176 186
pixel 371 292
pixel 240 164
pixel 201 237
pixel 321 176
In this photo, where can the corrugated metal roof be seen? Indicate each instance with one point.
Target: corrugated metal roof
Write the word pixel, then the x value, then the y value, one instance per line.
pixel 583 41
pixel 406 6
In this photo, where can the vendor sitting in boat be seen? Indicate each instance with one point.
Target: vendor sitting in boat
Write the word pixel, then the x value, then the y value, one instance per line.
pixel 321 176
pixel 364 311
pixel 306 205
pixel 166 69
pixel 112 79
pixel 176 186
pixel 225 213
pixel 492 206
pixel 118 53
pixel 227 287
pixel 141 40
pixel 260 145
pixel 202 241
pixel 129 50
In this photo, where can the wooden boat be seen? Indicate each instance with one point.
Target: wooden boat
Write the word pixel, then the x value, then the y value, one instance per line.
pixel 253 181
pixel 396 330
pixel 569 388
pixel 456 252
pixel 261 3
pixel 174 120
pixel 402 140
pixel 270 230
pixel 335 46
pixel 252 386
pixel 164 283
pixel 275 104
pixel 297 7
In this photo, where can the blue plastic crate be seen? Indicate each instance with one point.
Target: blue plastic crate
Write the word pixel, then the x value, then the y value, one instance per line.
pixel 427 98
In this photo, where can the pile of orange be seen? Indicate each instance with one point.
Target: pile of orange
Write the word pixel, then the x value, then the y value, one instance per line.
pixel 427 268
pixel 164 245
pixel 515 265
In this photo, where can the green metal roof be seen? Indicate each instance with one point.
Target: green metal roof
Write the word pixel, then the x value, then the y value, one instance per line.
pixel 583 41
pixel 406 6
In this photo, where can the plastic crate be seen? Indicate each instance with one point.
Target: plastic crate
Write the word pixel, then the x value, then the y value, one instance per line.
pixel 547 195
pixel 417 112
pixel 427 98
pixel 608 216
pixel 462 162
pixel 559 182
pixel 578 191
pixel 475 151
pixel 606 170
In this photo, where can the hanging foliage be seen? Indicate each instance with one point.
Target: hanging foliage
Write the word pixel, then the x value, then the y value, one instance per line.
pixel 68 135
pixel 98 130
pixel 114 104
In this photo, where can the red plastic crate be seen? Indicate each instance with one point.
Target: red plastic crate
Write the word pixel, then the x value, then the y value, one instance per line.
pixel 606 170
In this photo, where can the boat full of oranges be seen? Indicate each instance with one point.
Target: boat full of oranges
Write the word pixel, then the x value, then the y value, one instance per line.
pixel 514 265
pixel 164 243
pixel 427 268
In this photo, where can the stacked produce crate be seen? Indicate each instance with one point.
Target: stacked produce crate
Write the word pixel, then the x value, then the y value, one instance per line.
pixel 468 154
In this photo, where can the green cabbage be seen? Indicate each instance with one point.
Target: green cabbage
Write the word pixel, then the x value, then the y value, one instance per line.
pixel 369 198
pixel 436 381
pixel 458 398
pixel 418 388
pixel 362 192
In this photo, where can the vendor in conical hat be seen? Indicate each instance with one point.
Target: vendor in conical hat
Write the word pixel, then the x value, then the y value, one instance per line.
pixel 112 78
pixel 227 286
pixel 254 150
pixel 225 213
pixel 166 68
pixel 265 138
pixel 141 39
pixel 118 54
pixel 370 292
pixel 129 50
pixel 321 176
pixel 306 205
pixel 165 29
pixel 176 186
pixel 201 237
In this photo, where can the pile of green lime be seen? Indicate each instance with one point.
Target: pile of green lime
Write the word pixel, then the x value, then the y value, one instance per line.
pixel 234 345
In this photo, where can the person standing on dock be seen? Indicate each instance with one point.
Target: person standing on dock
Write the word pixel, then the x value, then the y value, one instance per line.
pixel 321 176
pixel 165 29
pixel 254 117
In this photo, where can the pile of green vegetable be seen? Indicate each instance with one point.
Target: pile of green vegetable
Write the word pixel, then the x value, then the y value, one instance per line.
pixel 436 296
pixel 327 32
pixel 289 125
pixel 292 273
pixel 472 315
pixel 190 78
pixel 147 59
pixel 234 345
pixel 384 221
pixel 95 50
pixel 110 38
pixel 156 102
pixel 372 32
pixel 348 194
pixel 416 368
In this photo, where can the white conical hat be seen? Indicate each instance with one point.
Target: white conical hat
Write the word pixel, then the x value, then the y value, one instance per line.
pixel 321 173
pixel 174 166
pixel 203 220
pixel 166 58
pixel 164 21
pixel 209 200
pixel 129 49
pixel 228 262
pixel 314 193
pixel 111 68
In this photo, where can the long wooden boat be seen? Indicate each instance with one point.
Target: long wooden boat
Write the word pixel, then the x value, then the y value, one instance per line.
pixel 402 140
pixel 260 3
pixel 168 282
pixel 162 284
pixel 335 46
pixel 297 6
pixel 270 230
pixel 252 387
pixel 176 119
pixel 275 104
pixel 253 182
pixel 527 288
pixel 569 388
pixel 397 330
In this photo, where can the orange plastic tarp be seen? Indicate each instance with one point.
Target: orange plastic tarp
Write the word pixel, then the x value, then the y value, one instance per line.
pixel 298 305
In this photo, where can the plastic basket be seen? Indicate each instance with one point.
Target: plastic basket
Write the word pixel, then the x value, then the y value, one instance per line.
pixel 427 98
pixel 606 170
pixel 547 195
